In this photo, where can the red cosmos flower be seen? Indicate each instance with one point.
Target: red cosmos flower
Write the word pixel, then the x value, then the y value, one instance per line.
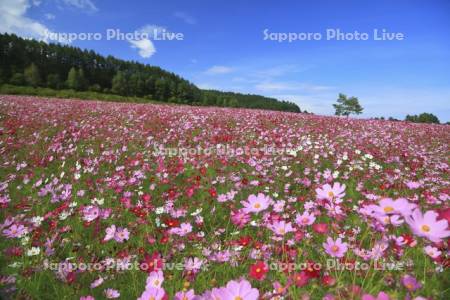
pixel 320 227
pixel 312 269
pixel 164 239
pixel 258 270
pixel 71 277
pixel 171 222
pixel 151 263
pixel 213 192
pixel 328 280
pixel 203 171
pixel 14 251
pixel 172 194
pixel 300 279
pixel 409 240
pixel 245 240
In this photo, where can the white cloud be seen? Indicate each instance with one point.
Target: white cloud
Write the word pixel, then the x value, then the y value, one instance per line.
pixel 145 47
pixel 214 70
pixel 86 5
pixel 13 20
pixel 290 86
pixel 187 18
pixel 49 16
pixel 152 30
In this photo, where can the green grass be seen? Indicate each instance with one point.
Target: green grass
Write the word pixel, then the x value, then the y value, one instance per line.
pixel 9 89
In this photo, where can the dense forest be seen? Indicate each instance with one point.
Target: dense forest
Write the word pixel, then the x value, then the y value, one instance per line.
pixel 38 64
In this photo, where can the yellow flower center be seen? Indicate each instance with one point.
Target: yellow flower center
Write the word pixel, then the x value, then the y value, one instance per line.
pixel 425 228
pixel 388 209
pixel 330 194
pixel 257 205
pixel 282 231
pixel 305 220
pixel 156 282
pixel 258 270
pixel 238 298
pixel 335 248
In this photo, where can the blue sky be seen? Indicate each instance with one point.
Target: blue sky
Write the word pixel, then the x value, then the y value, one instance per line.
pixel 223 46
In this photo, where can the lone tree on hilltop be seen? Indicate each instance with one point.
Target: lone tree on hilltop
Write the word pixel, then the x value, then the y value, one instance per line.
pixel 346 106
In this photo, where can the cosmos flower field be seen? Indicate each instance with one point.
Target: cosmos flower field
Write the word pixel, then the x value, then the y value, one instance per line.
pixel 142 201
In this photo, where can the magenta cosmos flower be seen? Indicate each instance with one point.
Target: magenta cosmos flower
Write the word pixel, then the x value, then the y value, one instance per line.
pixel 337 191
pixel 241 290
pixel 335 248
pixel 255 204
pixel 240 218
pixel 428 226
pixel 411 283
pixel 90 213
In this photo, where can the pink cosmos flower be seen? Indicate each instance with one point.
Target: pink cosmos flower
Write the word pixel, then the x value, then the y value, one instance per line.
pixel 281 227
pixel 193 264
pixel 335 192
pixel 152 293
pixel 154 280
pixel 428 226
pixel 15 231
pixel 189 295
pixel 89 297
pixel 97 282
pixel 112 294
pixel 413 185
pixel 388 206
pixel 335 248
pixel 433 252
pixel 110 233
pixel 305 219
pixel 222 198
pixel 279 206
pixel 90 213
pixel 256 204
pixel 185 228
pixel 122 234
pixel 241 290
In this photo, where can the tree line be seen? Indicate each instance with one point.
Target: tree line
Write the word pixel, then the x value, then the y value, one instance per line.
pixel 38 64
